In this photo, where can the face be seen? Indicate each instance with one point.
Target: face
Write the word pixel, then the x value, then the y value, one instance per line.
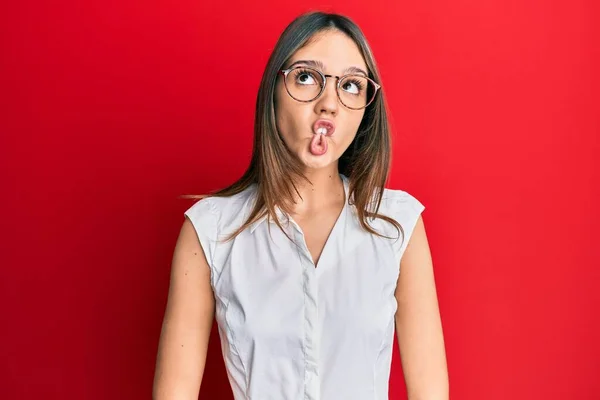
pixel 295 119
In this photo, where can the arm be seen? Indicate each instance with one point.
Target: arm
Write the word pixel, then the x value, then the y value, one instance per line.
pixel 418 322
pixel 187 322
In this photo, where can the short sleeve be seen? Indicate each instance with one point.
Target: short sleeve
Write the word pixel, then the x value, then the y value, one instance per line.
pixel 204 217
pixel 406 209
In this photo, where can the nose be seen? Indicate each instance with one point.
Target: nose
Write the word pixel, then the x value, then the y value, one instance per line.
pixel 328 100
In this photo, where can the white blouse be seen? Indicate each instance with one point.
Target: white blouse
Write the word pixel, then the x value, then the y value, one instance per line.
pixel 289 330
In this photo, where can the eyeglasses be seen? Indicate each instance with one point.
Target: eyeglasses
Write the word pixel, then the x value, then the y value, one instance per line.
pixel 306 84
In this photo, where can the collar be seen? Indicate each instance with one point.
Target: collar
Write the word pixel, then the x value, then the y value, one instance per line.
pixel 283 217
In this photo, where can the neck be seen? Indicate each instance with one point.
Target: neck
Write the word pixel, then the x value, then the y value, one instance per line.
pixel 327 188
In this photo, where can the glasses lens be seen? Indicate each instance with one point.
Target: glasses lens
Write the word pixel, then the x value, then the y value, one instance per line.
pixel 304 84
pixel 356 91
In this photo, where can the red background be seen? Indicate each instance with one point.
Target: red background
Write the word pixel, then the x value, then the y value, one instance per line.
pixel 110 110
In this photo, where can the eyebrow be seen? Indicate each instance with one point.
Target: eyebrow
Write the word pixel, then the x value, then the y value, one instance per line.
pixel 321 66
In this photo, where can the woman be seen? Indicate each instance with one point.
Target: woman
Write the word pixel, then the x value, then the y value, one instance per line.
pixel 300 260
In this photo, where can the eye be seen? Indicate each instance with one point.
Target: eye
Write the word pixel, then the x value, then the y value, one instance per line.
pixel 353 86
pixel 305 77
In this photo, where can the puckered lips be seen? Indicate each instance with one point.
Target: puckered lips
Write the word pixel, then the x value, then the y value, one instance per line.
pixel 324 127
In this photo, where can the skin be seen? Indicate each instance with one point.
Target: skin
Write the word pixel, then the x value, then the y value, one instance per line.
pixel 295 119
pixel 189 314
pixel 319 204
pixel 418 323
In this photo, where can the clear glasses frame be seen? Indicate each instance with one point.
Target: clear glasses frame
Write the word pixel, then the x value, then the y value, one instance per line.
pixel 285 72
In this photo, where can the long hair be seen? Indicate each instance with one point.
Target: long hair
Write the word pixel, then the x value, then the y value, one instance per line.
pixel 274 169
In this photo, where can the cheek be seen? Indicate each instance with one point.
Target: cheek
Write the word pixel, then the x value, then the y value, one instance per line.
pixel 358 117
pixel 288 114
pixel 280 110
pixel 354 121
pixel 282 118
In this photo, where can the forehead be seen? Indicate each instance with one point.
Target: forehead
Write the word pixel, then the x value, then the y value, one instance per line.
pixel 334 49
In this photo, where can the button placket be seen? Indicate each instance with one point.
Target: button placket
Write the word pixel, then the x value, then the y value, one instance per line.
pixel 312 387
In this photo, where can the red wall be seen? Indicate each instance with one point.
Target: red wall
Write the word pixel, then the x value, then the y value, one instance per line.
pixel 110 110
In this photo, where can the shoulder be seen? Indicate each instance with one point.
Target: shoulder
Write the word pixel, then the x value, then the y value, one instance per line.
pixel 211 216
pixel 405 209
pixel 223 208
pixel 397 200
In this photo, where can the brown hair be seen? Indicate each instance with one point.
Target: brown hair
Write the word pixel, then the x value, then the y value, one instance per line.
pixel 274 169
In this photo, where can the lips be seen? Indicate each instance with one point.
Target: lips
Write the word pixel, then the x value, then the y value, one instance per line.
pixel 324 127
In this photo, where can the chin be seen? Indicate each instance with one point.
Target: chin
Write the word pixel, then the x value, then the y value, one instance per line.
pixel 317 162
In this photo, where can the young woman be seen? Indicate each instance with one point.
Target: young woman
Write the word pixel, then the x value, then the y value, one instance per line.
pixel 308 262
